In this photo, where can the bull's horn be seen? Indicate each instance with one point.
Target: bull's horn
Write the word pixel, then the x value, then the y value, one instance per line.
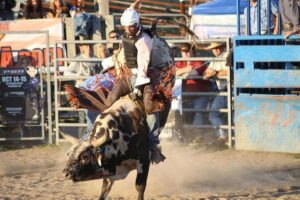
pixel 69 138
pixel 98 142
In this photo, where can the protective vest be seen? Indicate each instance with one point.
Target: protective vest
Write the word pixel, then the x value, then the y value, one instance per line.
pixel 160 57
pixel 130 50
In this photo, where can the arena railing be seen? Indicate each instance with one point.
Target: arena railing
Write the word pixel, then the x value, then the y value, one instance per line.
pixel 58 79
pixel 229 127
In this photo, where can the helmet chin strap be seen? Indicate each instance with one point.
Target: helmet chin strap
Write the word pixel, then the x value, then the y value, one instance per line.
pixel 140 28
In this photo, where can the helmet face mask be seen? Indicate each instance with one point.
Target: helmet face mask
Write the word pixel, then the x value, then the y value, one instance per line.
pixel 131 30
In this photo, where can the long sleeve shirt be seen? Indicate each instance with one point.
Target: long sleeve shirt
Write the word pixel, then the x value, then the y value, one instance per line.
pixel 290 12
pixel 81 68
pixel 263 17
pixel 218 66
pixel 144 47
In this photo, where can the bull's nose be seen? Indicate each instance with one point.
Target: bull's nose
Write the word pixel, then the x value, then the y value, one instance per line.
pixel 75 179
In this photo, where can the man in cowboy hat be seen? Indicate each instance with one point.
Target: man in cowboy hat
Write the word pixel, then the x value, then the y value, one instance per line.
pixel 106 80
pixel 217 69
pixel 190 68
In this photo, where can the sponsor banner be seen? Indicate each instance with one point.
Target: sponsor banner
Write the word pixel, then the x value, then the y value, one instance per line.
pixel 19 96
pixel 15 46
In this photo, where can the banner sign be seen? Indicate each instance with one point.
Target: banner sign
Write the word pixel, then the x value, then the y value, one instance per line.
pixel 16 97
pixel 216 26
pixel 15 46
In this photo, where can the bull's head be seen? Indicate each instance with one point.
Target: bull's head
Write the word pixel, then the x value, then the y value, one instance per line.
pixel 82 164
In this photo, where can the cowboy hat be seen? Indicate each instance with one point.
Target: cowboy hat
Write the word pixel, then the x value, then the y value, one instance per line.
pixel 107 63
pixel 214 45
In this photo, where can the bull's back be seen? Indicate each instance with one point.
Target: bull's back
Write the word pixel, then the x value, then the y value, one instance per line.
pixel 122 129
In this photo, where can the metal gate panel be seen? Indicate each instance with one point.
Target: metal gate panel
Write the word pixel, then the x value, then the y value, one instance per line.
pixel 267 123
pixel 268 78
pixel 266 94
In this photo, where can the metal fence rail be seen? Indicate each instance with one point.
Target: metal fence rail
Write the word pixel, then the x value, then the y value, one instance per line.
pixel 59 108
pixel 229 127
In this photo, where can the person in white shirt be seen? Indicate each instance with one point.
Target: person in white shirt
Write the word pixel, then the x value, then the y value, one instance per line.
pixel 137 46
pixel 82 68
pixel 218 69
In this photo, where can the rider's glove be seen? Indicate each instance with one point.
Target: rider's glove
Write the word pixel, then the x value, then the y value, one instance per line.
pixel 135 94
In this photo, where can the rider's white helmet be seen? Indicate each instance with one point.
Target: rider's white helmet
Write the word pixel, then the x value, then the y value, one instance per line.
pixel 130 17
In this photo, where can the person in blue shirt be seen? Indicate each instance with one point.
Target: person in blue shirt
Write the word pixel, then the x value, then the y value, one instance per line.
pixel 263 17
pixel 105 79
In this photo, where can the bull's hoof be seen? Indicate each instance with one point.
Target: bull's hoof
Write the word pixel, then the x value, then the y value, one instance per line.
pixel 157 156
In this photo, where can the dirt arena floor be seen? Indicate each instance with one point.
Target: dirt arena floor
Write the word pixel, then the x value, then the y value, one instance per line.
pixel 188 173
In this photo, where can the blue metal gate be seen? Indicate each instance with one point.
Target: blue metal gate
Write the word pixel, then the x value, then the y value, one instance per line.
pixel 266 94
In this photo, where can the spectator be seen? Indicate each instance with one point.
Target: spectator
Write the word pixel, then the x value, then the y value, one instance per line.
pixel 82 68
pixel 58 9
pixel 113 47
pixel 79 5
pixel 6 12
pixel 263 17
pixel 217 69
pixel 24 61
pixel 186 68
pixel 32 88
pixel 290 17
pixel 102 51
pixel 106 79
pixel 83 22
pixel 34 9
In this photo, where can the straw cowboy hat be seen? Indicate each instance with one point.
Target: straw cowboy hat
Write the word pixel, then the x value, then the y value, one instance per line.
pixel 214 45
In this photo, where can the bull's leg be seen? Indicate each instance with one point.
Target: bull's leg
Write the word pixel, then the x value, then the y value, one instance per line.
pixel 106 187
pixel 142 175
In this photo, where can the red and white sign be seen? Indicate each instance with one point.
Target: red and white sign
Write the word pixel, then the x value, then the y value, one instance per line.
pixel 14 46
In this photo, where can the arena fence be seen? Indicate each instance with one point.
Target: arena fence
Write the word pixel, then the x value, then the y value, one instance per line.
pixel 62 107
pixel 201 128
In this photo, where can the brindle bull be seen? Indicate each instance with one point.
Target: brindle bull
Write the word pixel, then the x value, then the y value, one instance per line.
pixel 117 145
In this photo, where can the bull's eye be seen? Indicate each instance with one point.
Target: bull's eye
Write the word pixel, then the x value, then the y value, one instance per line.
pixel 82 162
pixel 84 159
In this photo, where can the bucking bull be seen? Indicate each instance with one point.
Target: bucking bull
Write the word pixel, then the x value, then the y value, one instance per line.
pixel 118 142
pixel 122 132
